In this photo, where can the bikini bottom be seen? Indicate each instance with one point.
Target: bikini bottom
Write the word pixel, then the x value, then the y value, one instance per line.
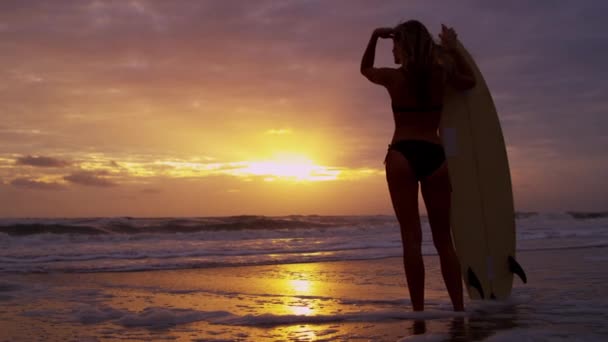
pixel 424 156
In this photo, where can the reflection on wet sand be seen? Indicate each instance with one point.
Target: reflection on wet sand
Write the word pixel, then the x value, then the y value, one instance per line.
pixel 477 326
pixel 333 301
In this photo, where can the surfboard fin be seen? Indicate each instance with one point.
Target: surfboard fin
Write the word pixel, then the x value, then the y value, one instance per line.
pixel 474 282
pixel 516 268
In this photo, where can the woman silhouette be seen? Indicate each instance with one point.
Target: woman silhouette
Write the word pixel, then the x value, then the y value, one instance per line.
pixel 416 154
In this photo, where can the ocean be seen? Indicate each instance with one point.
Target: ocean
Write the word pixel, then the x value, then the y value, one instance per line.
pixel 288 278
pixel 138 244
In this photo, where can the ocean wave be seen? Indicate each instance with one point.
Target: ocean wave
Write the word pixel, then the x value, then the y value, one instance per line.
pixel 21 229
pixel 525 214
pixel 127 225
pixel 137 244
pixel 177 225
pixel 162 317
pixel 192 260
pixel 585 215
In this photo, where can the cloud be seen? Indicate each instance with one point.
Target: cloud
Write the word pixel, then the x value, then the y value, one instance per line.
pixel 151 191
pixel 41 161
pixel 90 178
pixel 36 184
pixel 228 71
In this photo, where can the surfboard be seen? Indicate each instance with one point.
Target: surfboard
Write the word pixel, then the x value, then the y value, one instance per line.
pixel 482 212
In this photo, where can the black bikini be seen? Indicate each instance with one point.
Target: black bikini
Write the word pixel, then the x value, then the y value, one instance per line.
pixel 424 156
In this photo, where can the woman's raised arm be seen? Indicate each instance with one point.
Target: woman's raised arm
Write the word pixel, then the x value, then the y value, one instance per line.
pixel 376 75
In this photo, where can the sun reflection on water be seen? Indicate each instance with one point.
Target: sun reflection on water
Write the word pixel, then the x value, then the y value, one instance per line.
pixel 300 285
pixel 301 310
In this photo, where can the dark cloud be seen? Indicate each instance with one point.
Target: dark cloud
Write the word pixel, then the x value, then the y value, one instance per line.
pixel 36 184
pixel 42 161
pixel 90 178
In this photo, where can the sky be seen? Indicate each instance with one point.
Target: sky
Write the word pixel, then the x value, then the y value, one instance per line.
pixel 234 107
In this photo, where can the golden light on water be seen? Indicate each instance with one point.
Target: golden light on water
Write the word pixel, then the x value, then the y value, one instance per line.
pixel 300 285
pixel 301 310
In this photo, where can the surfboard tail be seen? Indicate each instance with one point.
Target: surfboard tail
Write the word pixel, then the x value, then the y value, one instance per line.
pixel 516 268
pixel 474 282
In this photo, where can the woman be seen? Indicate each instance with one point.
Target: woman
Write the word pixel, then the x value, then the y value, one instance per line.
pixel 416 154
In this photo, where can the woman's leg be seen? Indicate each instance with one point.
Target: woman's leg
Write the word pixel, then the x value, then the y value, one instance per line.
pixel 436 192
pixel 403 188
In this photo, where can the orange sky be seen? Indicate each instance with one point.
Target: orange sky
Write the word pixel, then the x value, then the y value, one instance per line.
pixel 183 108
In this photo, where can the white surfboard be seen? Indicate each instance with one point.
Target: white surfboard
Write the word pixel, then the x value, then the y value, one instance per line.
pixel 482 213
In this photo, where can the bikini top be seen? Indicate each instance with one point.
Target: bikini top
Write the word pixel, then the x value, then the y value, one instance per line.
pixel 401 109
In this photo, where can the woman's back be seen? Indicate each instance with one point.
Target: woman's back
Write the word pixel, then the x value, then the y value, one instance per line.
pixel 413 119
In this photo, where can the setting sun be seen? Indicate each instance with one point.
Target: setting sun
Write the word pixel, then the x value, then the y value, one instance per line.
pixel 288 167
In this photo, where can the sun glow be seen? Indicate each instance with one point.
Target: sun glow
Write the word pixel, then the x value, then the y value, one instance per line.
pixel 288 167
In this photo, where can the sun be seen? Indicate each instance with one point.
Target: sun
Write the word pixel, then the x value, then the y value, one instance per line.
pixel 288 167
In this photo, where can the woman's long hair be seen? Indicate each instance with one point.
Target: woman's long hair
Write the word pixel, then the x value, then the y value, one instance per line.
pixel 419 48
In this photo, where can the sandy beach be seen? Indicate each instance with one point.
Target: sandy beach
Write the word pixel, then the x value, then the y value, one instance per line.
pixel 366 300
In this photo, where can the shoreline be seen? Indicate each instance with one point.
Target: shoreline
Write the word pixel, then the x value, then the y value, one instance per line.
pixel 327 300
pixel 559 245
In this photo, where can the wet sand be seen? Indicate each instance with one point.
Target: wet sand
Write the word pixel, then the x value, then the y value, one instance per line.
pixel 363 300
